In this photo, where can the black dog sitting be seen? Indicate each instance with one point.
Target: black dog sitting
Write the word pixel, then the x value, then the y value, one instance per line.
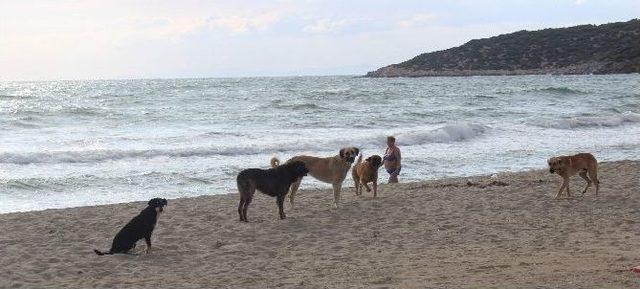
pixel 274 182
pixel 141 226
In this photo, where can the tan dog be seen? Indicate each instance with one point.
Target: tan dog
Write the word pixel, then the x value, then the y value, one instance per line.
pixel 568 166
pixel 366 172
pixel 332 170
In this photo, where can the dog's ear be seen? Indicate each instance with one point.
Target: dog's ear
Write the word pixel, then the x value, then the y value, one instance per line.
pixel 356 151
pixel 342 153
pixel 151 202
pixel 377 160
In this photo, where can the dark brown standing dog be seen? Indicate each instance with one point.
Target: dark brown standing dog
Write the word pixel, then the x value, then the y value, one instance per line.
pixel 568 166
pixel 366 172
pixel 274 182
pixel 332 170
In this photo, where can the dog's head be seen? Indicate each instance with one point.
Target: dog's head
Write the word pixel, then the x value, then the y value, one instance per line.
pixel 299 168
pixel 375 161
pixel 158 204
pixel 555 164
pixel 349 154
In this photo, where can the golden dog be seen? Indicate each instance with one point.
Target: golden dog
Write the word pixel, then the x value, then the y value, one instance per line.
pixel 366 172
pixel 568 166
pixel 332 170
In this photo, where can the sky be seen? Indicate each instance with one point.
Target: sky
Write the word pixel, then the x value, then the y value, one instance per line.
pixel 87 39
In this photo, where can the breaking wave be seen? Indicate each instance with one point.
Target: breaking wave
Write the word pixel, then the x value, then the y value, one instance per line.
pixel 445 134
pixel 557 90
pixel 448 133
pixel 590 121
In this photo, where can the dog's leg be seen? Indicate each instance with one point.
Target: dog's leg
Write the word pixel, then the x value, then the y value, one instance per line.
pixel 147 239
pixel 241 208
pixel 568 192
pixel 280 201
pixel 564 183
pixel 375 187
pixel 246 189
pixel 367 187
pixel 293 189
pixel 354 175
pixel 583 175
pixel 356 184
pixel 247 201
pixel 593 175
pixel 336 194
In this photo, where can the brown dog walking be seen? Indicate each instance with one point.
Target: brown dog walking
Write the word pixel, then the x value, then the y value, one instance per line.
pixel 584 164
pixel 366 172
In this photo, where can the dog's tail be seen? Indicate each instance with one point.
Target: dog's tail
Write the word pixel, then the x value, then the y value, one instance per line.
pixel 274 162
pixel 102 253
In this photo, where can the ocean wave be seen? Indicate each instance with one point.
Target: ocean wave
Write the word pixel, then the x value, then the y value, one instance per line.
pixel 24 184
pixel 78 181
pixel 7 96
pixel 94 156
pixel 557 90
pixel 23 124
pixel 301 106
pixel 330 91
pixel 84 111
pixel 337 91
pixel 448 133
pixel 590 121
pixel 484 96
pixel 281 104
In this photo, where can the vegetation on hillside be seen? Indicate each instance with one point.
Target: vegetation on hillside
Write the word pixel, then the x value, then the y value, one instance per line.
pixel 607 48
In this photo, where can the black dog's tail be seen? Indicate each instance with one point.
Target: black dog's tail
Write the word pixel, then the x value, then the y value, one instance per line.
pixel 274 162
pixel 102 253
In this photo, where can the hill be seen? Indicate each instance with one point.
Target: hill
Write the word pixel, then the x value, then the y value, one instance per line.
pixel 584 49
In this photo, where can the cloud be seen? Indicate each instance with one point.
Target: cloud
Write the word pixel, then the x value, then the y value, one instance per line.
pixel 417 20
pixel 325 26
pixel 132 38
pixel 162 28
pixel 241 24
pixel 233 22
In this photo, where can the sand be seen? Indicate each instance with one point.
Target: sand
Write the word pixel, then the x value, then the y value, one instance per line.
pixel 504 231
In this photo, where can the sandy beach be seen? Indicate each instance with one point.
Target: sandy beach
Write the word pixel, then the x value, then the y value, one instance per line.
pixel 504 231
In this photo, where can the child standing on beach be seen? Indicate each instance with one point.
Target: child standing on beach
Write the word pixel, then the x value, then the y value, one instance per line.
pixel 392 159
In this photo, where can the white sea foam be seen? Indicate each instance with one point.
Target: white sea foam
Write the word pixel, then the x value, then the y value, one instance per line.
pixel 590 121
pixel 95 142
pixel 415 136
pixel 448 133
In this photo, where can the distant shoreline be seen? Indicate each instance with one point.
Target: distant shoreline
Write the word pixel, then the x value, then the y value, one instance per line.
pixel 419 74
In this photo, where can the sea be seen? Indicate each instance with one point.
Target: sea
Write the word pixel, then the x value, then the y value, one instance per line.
pixel 78 143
